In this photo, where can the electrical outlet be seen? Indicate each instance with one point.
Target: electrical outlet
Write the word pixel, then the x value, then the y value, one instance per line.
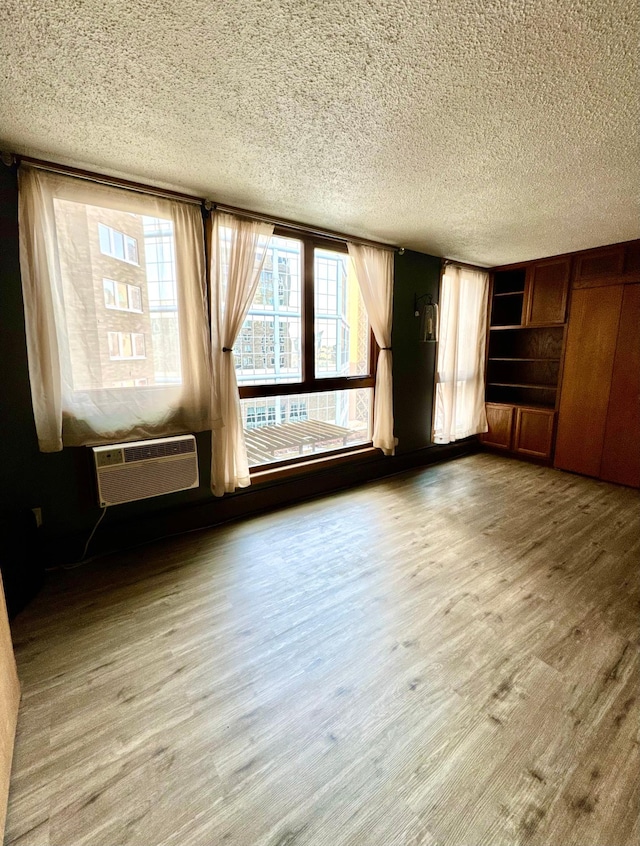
pixel 37 513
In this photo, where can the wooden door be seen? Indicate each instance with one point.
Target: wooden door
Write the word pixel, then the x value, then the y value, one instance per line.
pixel 500 421
pixel 534 431
pixel 621 451
pixel 588 367
pixel 546 292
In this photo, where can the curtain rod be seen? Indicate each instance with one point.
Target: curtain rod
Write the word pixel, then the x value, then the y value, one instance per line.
pixel 189 198
pixel 302 227
pixel 453 263
pixel 101 179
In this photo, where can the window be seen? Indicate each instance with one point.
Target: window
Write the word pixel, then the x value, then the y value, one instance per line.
pixel 126 345
pixel 117 244
pixel 297 410
pixel 258 415
pixel 304 358
pixel 98 374
pixel 121 296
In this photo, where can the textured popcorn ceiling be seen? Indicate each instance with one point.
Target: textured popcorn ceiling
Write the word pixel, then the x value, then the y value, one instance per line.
pixel 485 130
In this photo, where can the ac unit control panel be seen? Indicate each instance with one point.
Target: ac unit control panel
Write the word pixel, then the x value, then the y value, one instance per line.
pixel 109 457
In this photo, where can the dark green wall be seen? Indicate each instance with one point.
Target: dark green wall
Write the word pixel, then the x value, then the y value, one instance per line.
pixel 62 483
pixel 413 361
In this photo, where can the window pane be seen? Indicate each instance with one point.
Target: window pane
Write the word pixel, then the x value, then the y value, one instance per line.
pixel 268 348
pixel 132 249
pixel 126 345
pixel 138 345
pixel 166 347
pixel 135 298
pixel 117 243
pixel 264 296
pixel 108 290
pixel 123 299
pixel 341 326
pixel 109 293
pixel 105 243
pixel 114 348
pixel 278 428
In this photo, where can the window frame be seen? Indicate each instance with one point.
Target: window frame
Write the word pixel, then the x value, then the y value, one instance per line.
pixel 310 382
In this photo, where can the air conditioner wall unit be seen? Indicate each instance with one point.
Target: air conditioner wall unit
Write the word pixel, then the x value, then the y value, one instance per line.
pixel 142 469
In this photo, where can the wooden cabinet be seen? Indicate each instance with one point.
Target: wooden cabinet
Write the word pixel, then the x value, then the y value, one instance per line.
pixel 599 267
pixel 631 269
pixel 547 287
pixel 599 417
pixel 519 429
pixel 534 432
pixel 531 295
pixel 523 362
pixel 598 408
pixel 614 265
pixel 500 422
pixel 526 336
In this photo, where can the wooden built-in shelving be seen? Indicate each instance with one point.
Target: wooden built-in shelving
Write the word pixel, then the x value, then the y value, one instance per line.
pixel 523 364
pixel 526 335
pixel 598 416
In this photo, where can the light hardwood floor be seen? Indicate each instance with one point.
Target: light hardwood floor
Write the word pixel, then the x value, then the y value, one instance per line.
pixel 445 658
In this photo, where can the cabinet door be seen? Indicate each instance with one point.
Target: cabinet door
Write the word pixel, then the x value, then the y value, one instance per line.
pixel 599 267
pixel 632 262
pixel 500 421
pixel 588 366
pixel 546 292
pixel 621 451
pixel 534 431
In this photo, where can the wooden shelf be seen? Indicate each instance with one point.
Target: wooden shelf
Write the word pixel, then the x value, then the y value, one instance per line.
pixel 528 328
pixel 525 344
pixel 533 405
pixel 511 326
pixel 509 281
pixel 519 358
pixel 528 386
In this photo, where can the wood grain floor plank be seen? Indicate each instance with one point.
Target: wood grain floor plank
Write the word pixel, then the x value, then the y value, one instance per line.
pixel 444 658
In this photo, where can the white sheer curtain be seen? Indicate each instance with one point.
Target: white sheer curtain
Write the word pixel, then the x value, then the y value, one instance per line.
pixel 111 355
pixel 374 271
pixel 238 251
pixel 459 406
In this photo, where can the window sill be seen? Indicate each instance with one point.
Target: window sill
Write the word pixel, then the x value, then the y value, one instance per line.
pixel 309 465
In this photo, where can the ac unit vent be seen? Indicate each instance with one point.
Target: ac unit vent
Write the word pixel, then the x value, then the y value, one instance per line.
pixel 159 449
pixel 133 471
